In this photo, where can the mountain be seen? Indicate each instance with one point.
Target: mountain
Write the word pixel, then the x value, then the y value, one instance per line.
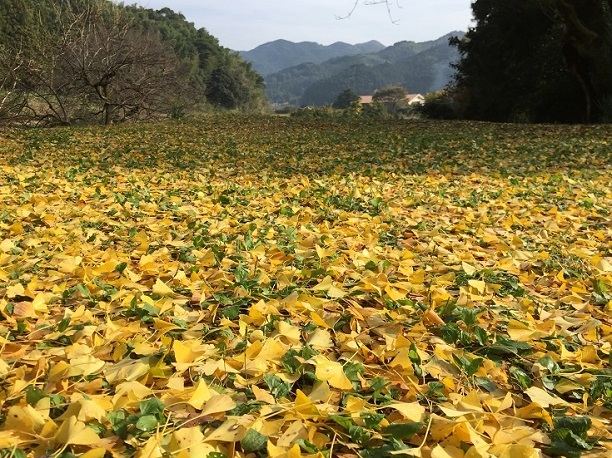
pixel 280 54
pixel 419 67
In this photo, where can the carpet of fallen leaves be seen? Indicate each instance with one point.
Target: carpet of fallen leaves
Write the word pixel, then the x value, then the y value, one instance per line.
pixel 240 286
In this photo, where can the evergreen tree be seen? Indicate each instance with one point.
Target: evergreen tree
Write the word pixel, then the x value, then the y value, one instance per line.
pixel 345 99
pixel 536 61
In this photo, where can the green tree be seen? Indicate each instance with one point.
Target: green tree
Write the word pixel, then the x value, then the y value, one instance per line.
pixel 545 60
pixel 392 97
pixel 345 99
pixel 536 61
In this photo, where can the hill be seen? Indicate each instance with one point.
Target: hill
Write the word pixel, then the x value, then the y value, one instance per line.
pixel 419 67
pixel 280 54
pixel 95 61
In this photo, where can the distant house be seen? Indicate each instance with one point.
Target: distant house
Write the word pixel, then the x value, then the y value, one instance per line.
pixel 415 98
pixel 410 98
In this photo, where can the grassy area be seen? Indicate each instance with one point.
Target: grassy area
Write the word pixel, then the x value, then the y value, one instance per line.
pixel 244 286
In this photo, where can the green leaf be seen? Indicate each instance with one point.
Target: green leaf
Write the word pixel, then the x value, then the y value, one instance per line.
pixel 147 423
pixel 403 431
pixel 34 394
pixel 378 383
pixel 486 383
pixel 345 422
pixel 253 441
pixel 216 455
pixel 481 335
pixel 120 267
pixel 413 354
pixel 278 387
pixel 81 288
pixel 473 366
pixel 290 362
pixel 63 325
pixel 231 312
pixel 521 377
pixel 549 364
pixel 578 425
pixel 308 447
pixel 353 370
pixel 383 451
pixel 12 453
pixel 152 406
pixel 372 420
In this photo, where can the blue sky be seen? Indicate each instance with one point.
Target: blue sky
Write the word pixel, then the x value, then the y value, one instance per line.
pixel 244 24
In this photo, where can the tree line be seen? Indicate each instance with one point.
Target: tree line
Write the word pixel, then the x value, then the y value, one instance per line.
pixel 93 61
pixel 531 61
pixel 536 61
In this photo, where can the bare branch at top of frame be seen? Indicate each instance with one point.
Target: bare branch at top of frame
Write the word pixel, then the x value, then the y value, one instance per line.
pixel 388 3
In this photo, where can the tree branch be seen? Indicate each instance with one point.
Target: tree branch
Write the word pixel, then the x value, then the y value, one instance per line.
pixel 388 3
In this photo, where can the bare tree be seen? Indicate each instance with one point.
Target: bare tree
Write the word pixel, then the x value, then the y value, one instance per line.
pixel 118 72
pixel 11 101
pixel 92 65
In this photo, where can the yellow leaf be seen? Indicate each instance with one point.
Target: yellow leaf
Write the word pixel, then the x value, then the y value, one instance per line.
pixel 331 372
pixel 320 339
pixel 126 369
pixel 273 450
pixel 304 405
pixel 74 432
pixel 394 294
pixel 262 395
pixel 85 366
pixel 130 393
pixel 478 285
pixel 294 452
pixel 520 331
pixel 95 453
pixel 162 289
pixel 152 449
pixel 218 403
pixel 69 264
pixel 7 245
pixel 412 411
pixel 15 290
pixel 541 397
pixel 183 351
pixel 24 419
pixel 229 431
pixel 185 438
pixel 202 394
pixel 323 252
pixel 468 268
pixel 513 451
pixel 323 285
pixel 447 451
pixel 8 439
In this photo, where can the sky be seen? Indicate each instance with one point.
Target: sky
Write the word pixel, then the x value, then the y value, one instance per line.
pixel 242 25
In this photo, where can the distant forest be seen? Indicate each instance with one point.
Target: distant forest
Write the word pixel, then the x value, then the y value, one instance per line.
pixel 93 61
pixel 419 67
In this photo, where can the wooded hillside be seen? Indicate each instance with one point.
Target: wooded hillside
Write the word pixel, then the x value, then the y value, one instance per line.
pixel 83 61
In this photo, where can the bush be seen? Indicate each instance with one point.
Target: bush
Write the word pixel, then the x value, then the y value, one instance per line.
pixel 439 105
pixel 317 112
pixel 374 110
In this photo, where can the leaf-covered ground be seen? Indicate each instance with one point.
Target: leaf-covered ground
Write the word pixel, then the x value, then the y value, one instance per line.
pixel 281 287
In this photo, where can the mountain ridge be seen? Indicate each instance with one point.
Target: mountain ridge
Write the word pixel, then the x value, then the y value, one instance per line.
pixel 277 55
pixel 420 67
